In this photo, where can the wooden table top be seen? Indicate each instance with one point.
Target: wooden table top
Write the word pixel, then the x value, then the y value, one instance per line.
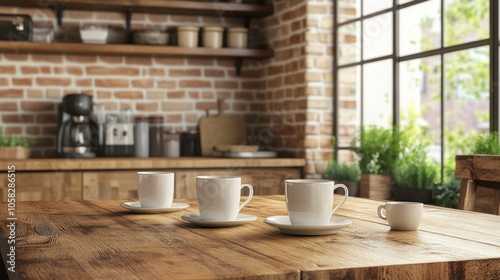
pixel 101 240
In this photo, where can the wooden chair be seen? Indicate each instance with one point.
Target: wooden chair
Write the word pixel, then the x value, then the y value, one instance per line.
pixel 480 176
pixel 468 191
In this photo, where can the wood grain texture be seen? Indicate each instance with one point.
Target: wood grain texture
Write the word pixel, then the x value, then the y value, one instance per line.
pixel 44 186
pixel 59 164
pixel 375 186
pixel 136 50
pixel 99 239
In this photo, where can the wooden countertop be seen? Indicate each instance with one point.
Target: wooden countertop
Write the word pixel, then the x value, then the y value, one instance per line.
pixel 101 240
pixel 105 163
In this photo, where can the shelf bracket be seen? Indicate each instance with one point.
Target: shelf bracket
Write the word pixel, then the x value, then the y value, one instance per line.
pixel 59 14
pixel 238 64
pixel 128 18
pixel 248 21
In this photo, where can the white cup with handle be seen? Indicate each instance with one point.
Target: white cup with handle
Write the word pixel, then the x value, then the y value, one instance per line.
pixel 310 201
pixel 155 189
pixel 401 215
pixel 219 197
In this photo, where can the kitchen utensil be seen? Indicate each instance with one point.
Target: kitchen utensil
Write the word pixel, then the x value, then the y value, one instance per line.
pixel 151 37
pixel 16 27
pixel 236 148
pixel 78 133
pixel 94 34
pixel 221 130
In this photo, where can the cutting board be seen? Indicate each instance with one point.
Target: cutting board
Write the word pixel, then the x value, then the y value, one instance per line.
pixel 221 130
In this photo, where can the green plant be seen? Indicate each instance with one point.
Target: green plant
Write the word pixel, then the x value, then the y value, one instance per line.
pixel 341 171
pixel 446 194
pixel 414 167
pixel 486 144
pixel 415 170
pixel 377 149
pixel 13 141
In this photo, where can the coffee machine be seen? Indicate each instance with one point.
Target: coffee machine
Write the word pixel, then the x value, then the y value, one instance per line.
pixel 78 132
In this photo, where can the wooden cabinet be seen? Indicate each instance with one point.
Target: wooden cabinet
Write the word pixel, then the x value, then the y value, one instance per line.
pixel 44 186
pixel 123 184
pixel 116 178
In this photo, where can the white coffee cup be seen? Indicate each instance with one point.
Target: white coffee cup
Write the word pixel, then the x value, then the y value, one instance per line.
pixel 219 197
pixel 155 189
pixel 401 215
pixel 310 201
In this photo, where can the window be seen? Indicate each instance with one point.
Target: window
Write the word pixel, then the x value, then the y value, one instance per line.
pixel 430 63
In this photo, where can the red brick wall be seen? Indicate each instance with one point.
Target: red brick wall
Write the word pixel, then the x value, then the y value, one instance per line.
pixel 286 100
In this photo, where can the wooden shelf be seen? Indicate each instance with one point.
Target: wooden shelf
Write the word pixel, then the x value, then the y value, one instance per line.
pixel 137 50
pixel 152 6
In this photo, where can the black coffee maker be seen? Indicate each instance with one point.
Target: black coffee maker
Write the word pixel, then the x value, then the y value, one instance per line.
pixel 78 132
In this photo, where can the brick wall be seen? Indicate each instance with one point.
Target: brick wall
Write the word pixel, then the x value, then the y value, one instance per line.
pixel 286 100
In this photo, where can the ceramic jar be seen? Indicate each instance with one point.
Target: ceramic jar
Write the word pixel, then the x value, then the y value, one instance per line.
pixel 212 37
pixel 187 36
pixel 237 37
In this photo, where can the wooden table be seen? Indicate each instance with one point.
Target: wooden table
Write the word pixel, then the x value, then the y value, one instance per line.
pixel 100 240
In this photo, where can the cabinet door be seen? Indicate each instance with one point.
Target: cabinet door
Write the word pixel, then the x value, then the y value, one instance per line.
pixel 36 186
pixel 109 185
pixel 264 181
pixel 123 184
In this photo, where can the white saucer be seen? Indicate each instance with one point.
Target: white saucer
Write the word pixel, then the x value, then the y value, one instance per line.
pixel 284 225
pixel 135 206
pixel 240 220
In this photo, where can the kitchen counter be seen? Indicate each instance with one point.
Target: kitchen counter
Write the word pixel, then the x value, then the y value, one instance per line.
pixel 115 178
pixel 105 163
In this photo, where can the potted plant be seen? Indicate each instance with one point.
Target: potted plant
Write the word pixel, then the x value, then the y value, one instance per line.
pixel 13 147
pixel 414 176
pixel 343 173
pixel 377 149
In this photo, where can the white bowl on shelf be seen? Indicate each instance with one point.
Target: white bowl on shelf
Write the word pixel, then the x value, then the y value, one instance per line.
pixel 94 34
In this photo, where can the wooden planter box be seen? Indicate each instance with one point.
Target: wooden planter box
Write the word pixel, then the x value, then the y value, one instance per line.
pixel 406 194
pixel 14 152
pixel 375 186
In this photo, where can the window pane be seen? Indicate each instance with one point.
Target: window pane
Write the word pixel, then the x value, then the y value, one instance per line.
pixel 420 99
pixel 349 43
pixel 377 36
pixel 377 93
pixel 372 6
pixel 404 1
pixel 420 27
pixel 349 108
pixel 348 9
pixel 466 21
pixel 466 100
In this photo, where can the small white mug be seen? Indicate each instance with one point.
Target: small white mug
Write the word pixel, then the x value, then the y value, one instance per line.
pixel 155 189
pixel 401 215
pixel 219 197
pixel 310 201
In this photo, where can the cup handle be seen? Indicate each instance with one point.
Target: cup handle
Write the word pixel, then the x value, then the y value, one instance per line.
pixel 381 211
pixel 345 196
pixel 250 194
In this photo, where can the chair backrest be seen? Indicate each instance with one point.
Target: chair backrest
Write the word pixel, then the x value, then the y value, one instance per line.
pixel 479 196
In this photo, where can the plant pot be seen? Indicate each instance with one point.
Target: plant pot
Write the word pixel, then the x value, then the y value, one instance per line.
pixel 407 194
pixel 375 186
pixel 14 152
pixel 352 187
